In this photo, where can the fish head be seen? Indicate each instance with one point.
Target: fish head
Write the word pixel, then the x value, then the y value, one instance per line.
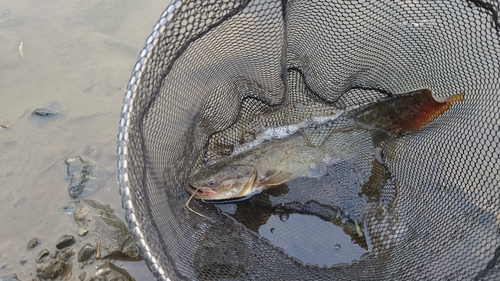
pixel 229 182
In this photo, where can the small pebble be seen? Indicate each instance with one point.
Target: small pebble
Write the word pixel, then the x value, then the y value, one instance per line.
pixel 43 112
pixel 82 231
pixel 109 271
pixel 85 252
pixel 65 254
pixel 42 256
pixel 23 260
pixel 54 254
pixel 82 275
pixel 33 242
pixel 65 241
pixel 50 269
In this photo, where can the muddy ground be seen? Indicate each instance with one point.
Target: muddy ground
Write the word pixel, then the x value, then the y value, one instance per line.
pixel 76 60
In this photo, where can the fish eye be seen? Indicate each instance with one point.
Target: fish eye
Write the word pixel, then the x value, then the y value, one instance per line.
pixel 211 183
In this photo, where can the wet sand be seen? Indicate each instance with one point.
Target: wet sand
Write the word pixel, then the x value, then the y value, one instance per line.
pixel 78 57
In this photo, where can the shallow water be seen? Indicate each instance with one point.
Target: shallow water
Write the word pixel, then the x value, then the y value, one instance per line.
pixel 312 241
pixel 78 57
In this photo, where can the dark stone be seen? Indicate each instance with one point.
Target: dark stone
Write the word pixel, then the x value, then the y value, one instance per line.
pixel 10 277
pixel 50 269
pixel 82 275
pixel 33 242
pixel 44 111
pixel 20 202
pixel 23 260
pixel 85 252
pixel 65 254
pixel 42 256
pixel 79 173
pixel 65 241
pixel 110 272
pixel 112 233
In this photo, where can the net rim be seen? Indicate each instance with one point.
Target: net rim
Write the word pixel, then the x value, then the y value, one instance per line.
pixel 124 186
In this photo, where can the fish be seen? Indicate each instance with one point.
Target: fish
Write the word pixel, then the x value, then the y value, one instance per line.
pixel 273 163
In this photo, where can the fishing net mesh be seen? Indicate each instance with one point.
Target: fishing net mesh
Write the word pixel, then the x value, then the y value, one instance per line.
pixel 215 75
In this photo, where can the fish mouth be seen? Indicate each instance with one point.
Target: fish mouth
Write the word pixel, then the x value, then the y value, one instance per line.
pixel 227 200
pixel 199 192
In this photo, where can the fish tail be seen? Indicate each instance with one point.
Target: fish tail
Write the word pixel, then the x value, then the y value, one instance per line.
pixel 455 98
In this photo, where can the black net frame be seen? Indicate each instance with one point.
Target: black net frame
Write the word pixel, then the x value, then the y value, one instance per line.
pixel 205 61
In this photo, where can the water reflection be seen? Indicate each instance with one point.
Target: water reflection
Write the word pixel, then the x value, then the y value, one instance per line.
pixel 311 239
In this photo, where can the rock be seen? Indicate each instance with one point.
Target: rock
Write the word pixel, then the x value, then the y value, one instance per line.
pixel 54 254
pixel 44 111
pixel 85 177
pixel 110 272
pixel 112 233
pixel 42 256
pixel 85 252
pixel 10 277
pixel 50 269
pixel 83 214
pixel 65 254
pixel 79 173
pixel 65 241
pixel 82 275
pixel 23 260
pixel 47 266
pixel 33 242
pixel 81 231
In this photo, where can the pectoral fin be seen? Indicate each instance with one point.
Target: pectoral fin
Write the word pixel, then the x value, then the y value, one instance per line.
pixel 248 186
pixel 276 179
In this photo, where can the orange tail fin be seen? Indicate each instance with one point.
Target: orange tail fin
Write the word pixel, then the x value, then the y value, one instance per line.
pixel 455 98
